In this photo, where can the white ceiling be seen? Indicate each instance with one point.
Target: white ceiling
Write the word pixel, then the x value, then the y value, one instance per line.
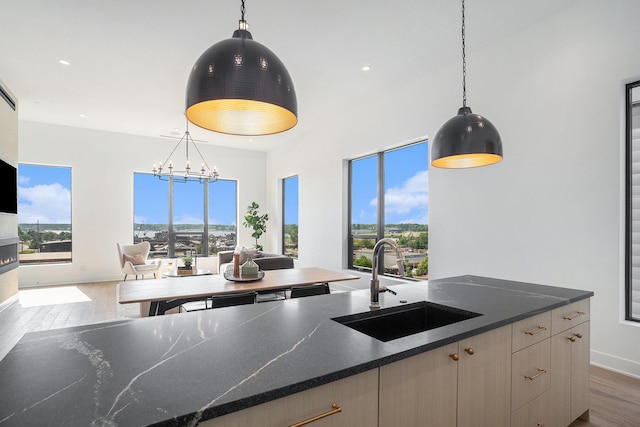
pixel 130 59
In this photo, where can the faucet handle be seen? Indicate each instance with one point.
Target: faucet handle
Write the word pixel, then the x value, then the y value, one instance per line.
pixel 383 288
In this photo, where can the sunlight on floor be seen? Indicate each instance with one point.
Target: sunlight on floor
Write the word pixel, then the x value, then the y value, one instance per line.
pixel 51 296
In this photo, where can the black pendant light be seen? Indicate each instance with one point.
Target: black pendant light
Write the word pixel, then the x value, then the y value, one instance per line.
pixel 467 140
pixel 238 86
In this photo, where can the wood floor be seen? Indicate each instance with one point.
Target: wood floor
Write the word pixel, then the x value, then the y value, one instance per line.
pixel 615 398
pixel 40 309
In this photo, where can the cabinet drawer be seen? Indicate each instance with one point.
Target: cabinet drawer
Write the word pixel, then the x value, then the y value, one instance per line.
pixel 533 414
pixel 567 317
pixel 529 331
pixel 356 396
pixel 530 373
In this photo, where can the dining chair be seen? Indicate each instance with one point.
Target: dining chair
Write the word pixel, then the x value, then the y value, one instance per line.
pixel 218 301
pixel 310 290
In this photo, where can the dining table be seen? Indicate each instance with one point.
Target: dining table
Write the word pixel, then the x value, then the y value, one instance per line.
pixel 167 293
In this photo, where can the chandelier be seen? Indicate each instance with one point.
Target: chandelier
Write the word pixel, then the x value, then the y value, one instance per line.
pixel 166 170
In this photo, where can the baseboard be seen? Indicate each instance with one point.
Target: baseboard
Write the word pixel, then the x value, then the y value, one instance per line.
pixel 6 303
pixel 616 364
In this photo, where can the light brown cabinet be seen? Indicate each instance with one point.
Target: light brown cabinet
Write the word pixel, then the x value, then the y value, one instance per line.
pixel 533 414
pixel 355 399
pixel 534 372
pixel 464 384
pixel 531 371
pixel 570 363
pixel 420 390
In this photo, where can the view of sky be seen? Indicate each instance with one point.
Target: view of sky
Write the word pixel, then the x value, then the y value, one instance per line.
pixel 151 201
pixel 406 187
pixel 291 200
pixel 44 194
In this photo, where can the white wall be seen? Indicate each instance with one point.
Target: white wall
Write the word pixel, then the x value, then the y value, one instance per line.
pixel 551 211
pixel 102 165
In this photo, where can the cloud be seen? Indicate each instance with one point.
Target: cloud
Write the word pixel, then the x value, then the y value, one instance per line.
pixel 187 219
pixel 23 180
pixel 48 203
pixel 411 195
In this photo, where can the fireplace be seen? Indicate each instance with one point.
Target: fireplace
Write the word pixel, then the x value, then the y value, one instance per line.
pixel 8 254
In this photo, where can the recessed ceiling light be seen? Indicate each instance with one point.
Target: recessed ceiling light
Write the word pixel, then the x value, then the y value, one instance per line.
pixel 64 62
pixel 366 68
pixel 83 116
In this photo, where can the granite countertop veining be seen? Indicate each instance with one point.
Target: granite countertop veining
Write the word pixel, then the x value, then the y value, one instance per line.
pixel 180 369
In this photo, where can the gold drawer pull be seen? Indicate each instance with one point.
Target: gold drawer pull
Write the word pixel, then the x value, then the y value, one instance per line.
pixel 469 351
pixel 574 315
pixel 533 377
pixel 455 357
pixel 536 331
pixel 334 410
pixel 578 335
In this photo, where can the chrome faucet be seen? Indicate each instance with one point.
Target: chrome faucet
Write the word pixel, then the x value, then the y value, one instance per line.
pixel 375 284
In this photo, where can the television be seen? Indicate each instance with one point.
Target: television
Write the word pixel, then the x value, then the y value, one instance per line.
pixel 9 180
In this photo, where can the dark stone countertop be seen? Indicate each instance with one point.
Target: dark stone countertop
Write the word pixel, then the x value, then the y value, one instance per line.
pixel 178 369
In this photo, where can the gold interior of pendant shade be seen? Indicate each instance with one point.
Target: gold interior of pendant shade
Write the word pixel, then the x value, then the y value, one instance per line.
pixel 466 160
pixel 241 117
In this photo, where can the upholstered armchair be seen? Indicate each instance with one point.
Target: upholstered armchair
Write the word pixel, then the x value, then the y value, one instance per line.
pixel 133 260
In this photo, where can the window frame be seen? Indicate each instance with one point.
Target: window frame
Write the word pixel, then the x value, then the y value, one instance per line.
pixel 629 106
pixel 284 213
pixel 172 233
pixel 380 208
pixel 58 261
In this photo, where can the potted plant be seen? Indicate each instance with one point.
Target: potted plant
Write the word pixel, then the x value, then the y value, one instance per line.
pixel 187 260
pixel 255 221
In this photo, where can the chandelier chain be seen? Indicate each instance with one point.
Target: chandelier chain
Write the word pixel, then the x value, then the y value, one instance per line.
pixel 464 62
pixel 242 11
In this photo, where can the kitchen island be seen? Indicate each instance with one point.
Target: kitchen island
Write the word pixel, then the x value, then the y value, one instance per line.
pixel 187 368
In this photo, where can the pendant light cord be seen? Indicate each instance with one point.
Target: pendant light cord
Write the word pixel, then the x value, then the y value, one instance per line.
pixel 464 63
pixel 242 11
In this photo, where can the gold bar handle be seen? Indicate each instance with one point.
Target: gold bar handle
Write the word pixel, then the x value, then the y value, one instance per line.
pixel 536 331
pixel 533 377
pixel 574 315
pixel 334 410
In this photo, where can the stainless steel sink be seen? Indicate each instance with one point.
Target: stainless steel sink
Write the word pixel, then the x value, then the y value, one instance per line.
pixel 400 321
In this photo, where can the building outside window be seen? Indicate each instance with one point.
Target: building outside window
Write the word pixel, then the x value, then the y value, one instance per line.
pixel 44 214
pixel 632 309
pixel 389 198
pixel 290 216
pixel 184 217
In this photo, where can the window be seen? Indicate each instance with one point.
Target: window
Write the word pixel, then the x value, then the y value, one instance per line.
pixel 44 214
pixel 389 198
pixel 177 218
pixel 290 216
pixel 632 310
